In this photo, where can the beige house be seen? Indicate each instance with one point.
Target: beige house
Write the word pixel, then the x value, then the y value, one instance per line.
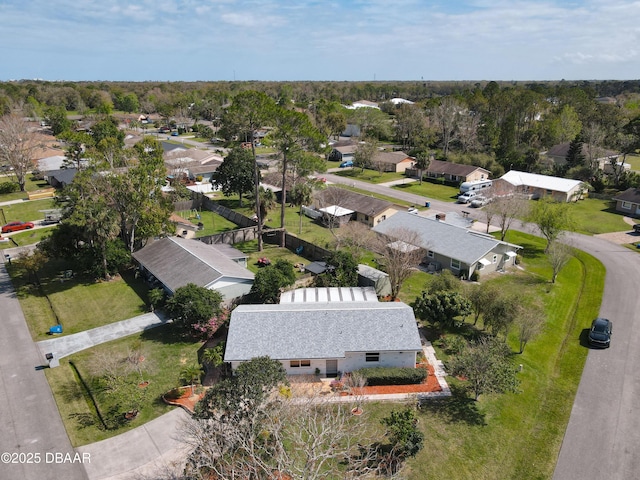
pixel 349 206
pixel 397 162
pixel 628 202
pixel 455 172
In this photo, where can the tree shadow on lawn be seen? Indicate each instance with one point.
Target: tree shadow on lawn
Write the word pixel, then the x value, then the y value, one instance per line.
pixel 458 408
pixel 531 251
pixel 167 334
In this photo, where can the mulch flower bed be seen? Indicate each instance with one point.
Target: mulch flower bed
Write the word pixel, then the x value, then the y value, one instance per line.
pixel 429 384
pixel 184 400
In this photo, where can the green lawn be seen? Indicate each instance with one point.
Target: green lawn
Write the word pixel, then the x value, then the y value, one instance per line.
pixel 165 355
pixel 372 176
pixel 212 222
pixel 80 303
pixel 517 435
pixel 634 161
pixel 26 211
pixel 272 252
pixel 593 216
pixel 434 190
pixel 27 237
pixel 30 186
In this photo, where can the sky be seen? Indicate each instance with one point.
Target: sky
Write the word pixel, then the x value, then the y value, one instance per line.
pixel 289 40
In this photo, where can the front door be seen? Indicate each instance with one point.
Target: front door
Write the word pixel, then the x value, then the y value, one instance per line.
pixel 332 368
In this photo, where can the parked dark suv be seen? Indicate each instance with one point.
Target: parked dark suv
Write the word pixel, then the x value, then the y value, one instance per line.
pixel 600 333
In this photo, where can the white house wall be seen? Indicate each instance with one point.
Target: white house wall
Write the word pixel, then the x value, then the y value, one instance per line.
pixel 352 361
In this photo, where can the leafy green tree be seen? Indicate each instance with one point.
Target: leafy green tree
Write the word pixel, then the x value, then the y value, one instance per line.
pixel 441 307
pixel 77 143
pixel 294 134
pixel 246 391
pixel 31 264
pixel 501 311
pixel 235 174
pixel 191 305
pixel 249 111
pixel 269 281
pixel 405 436
pixel 423 160
pixel 107 127
pixel 575 157
pixel 363 156
pixel 156 297
pixel 342 271
pixel 215 355
pixel 56 117
pixel 552 218
pixel 487 366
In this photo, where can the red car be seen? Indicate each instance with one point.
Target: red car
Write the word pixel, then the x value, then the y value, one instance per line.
pixel 16 226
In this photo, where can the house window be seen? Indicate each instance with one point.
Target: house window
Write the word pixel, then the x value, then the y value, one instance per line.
pixel 299 363
pixel 549 192
pixel 430 254
pixel 495 259
pixel 455 264
pixel 372 357
pixel 626 205
pixel 366 218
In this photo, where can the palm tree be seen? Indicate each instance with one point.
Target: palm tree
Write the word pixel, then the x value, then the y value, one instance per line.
pixel 266 201
pixel 191 374
pixel 301 195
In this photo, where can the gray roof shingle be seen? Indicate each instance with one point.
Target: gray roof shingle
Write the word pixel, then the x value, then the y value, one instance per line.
pixel 320 330
pixel 450 168
pixel 442 238
pixel 178 261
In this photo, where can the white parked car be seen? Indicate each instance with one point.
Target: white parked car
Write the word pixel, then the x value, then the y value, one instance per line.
pixel 467 197
pixel 479 201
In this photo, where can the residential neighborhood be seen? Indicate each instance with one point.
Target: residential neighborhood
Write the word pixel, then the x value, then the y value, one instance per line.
pixel 235 271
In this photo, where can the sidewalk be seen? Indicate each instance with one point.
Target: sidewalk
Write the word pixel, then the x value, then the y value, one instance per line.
pixel 64 346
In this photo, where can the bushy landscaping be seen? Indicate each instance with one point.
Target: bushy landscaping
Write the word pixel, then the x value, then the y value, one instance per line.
pixel 392 375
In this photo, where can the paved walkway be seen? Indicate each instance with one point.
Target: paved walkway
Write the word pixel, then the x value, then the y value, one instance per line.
pixel 64 346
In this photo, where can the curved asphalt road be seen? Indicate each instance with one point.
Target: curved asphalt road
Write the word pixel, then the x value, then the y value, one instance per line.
pixel 602 440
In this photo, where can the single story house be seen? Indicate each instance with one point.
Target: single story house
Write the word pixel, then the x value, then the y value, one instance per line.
pixel 557 155
pixel 174 262
pixel 365 209
pixel 454 172
pixel 537 186
pixel 343 153
pixel 628 202
pixel 326 337
pixel 60 178
pixel 448 246
pixel 396 162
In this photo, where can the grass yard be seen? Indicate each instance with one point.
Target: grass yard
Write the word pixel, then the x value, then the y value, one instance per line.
pixel 27 211
pixel 165 355
pixel 213 223
pixel 80 303
pixel 634 161
pixel 26 237
pixel 372 176
pixel 30 186
pixel 433 190
pixel 593 216
pixel 272 252
pixel 516 435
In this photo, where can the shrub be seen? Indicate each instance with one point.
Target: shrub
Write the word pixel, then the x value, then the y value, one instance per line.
pixel 392 375
pixel 9 187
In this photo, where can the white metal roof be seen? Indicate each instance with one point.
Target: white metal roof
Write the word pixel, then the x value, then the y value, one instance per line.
pixel 557 184
pixel 336 211
pixel 329 294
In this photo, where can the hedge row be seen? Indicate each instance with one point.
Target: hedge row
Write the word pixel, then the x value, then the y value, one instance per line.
pixel 392 375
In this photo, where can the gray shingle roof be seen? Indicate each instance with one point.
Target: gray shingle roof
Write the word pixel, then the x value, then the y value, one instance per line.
pixel 629 195
pixel 178 261
pixel 352 201
pixel 450 168
pixel 442 238
pixel 317 330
